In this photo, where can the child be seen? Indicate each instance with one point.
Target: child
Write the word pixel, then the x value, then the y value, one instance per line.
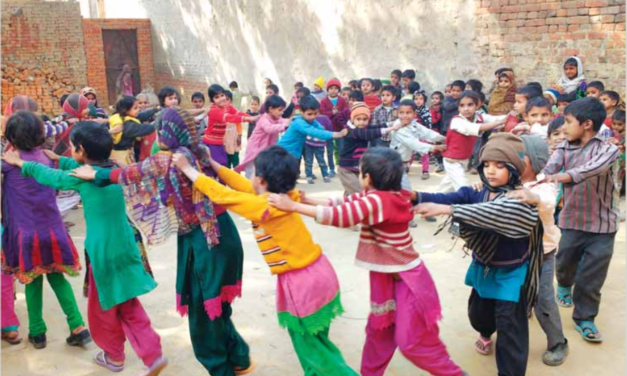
pixel 10 322
pixel 354 97
pixel 450 106
pixel 385 114
pixel 209 252
pixel 423 116
pixel 573 79
pixel 409 139
pixel 232 137
pixel 126 128
pixel 315 148
pixel 237 95
pixel 305 125
pixel 346 91
pixel 503 97
pixel 117 274
pixel 505 238
pixel 594 89
pixel 169 97
pixel 555 133
pixel 221 112
pixel 404 304
pixel 395 80
pixel 611 101
pixel 355 144
pixel 253 111
pixel 461 138
pixel 551 95
pixel 34 240
pixel 308 296
pixel 436 120
pixel 412 89
pixel 538 116
pixel 198 103
pixel 317 92
pixel 408 76
pixel 447 90
pixel 495 82
pixel 618 139
pixel 266 132
pixel 370 98
pixel 90 94
pixel 474 85
pixel 564 100
pixel 521 97
pixel 587 243
pixel 334 107
pixel 300 94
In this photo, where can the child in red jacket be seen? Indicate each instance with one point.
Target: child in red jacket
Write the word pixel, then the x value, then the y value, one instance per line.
pixel 335 107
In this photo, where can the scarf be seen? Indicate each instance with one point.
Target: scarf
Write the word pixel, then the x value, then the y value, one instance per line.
pixel 18 103
pixel 160 198
pixel 74 107
pixel 569 85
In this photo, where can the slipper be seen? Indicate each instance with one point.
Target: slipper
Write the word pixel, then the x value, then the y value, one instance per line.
pixel 14 339
pixel 483 346
pixel 156 367
pixel 101 359
pixel 589 331
pixel 244 371
pixel 564 296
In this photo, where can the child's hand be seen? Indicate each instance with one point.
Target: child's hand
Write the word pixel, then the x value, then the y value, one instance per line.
pixel 303 196
pixel 521 129
pixel 13 158
pixel 428 210
pixel 563 178
pixel 282 202
pixel 239 140
pixel 117 129
pixel 395 127
pixel 85 172
pixel 524 195
pixel 340 134
pixel 477 186
pixel 439 148
pixel 52 155
pixel 613 141
pixel 72 120
pixel 180 161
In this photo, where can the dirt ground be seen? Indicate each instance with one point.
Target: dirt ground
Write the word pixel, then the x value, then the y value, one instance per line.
pixel 255 317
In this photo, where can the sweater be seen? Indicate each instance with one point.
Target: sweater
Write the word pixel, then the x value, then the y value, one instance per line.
pixel 266 134
pixel 294 139
pixel 218 118
pixel 356 144
pixel 450 108
pixel 385 243
pixel 339 119
pixel 384 117
pixel 372 101
pixel 326 123
pixel 282 237
pixel 436 117
pixel 407 140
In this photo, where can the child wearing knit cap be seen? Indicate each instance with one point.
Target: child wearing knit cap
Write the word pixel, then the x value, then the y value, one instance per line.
pixel 505 238
pixel 355 144
pixel 318 92
pixel 334 107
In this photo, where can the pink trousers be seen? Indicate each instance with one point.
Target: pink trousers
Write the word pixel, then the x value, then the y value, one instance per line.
pixel 424 161
pixel 109 329
pixel 409 333
pixel 9 318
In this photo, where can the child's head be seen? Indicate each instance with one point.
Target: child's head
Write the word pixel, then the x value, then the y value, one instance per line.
pixel 556 132
pixel 522 97
pixel 468 104
pixel 583 118
pixel 499 71
pixel 267 81
pixel 457 87
pixel 302 92
pixel 309 108
pixel 447 90
pixel 360 115
pixel 355 96
pixel 406 111
pixel 420 98
pixel 505 80
pixel 346 92
pixel 535 85
pixel 76 106
pixel 25 131
pixel 538 111
pixel 436 98
pixel 377 85
pixel 333 87
pixel 395 77
pixel 229 96
pixel 318 83
pixel 381 169
pixel 594 89
pixel 233 85
pixel 298 85
pixel 217 95
pixel 413 88
pixel 90 94
pixel 474 85
pixel 408 76
pixel 90 142
pixel 169 97
pixel 564 100
pixel 143 101
pixel 62 99
pixel 275 106
pixel 198 98
pixel 571 67
pixel 610 99
pixel 388 95
pixel 272 89
pixel 502 162
pixel 618 122
pixel 255 103
pixel 367 86
pixel 481 99
pixel 536 156
pixel 354 85
pixel 276 171
pixel 551 95
pixel 127 106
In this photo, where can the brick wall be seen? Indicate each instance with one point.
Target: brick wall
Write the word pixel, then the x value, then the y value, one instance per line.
pixel 534 37
pixel 42 51
pixel 185 86
pixel 94 49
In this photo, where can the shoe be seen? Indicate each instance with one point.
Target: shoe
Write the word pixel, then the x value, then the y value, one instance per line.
pixel 314 177
pixel 413 224
pixel 557 355
pixel 332 174
pixel 425 176
pixel 80 339
pixel 310 181
pixel 440 168
pixel 326 179
pixel 39 342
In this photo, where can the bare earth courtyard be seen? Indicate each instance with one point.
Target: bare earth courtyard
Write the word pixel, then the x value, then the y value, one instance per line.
pixel 255 317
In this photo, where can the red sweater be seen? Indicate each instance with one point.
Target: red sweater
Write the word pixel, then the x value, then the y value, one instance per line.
pixel 218 117
pixel 339 119
pixel 372 101
pixel 385 244
pixel 460 146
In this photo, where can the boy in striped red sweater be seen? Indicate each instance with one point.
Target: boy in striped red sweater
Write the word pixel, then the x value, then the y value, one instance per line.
pixel 405 307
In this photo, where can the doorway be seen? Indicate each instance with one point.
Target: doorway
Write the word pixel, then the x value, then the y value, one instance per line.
pixel 120 49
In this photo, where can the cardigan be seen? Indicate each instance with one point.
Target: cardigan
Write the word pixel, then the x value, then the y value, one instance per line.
pixel 218 118
pixel 294 139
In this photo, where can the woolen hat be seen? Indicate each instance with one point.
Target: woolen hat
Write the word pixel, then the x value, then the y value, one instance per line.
pixel 537 150
pixel 506 148
pixel 359 108
pixel 334 82
pixel 319 81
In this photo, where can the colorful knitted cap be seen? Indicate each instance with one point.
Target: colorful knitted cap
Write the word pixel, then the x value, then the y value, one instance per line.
pixel 359 108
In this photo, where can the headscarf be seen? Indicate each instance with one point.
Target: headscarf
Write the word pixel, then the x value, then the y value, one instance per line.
pixel 88 90
pixel 537 150
pixel 508 149
pixel 75 105
pixel 18 103
pixel 159 196
pixel 566 83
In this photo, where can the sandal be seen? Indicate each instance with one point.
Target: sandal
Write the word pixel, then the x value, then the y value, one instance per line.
pixel 589 331
pixel 12 337
pixel 244 371
pixel 101 359
pixel 156 367
pixel 483 346
pixel 564 296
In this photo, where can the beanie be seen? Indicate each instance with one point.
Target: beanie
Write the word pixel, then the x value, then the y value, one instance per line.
pixel 319 81
pixel 359 108
pixel 554 94
pixel 506 148
pixel 537 150
pixel 333 82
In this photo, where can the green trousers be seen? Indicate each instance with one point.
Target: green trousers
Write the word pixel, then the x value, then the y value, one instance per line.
pixel 35 299
pixel 233 160
pixel 319 356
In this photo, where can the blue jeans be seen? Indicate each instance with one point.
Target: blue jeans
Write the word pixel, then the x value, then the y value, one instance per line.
pixel 318 152
pixel 330 150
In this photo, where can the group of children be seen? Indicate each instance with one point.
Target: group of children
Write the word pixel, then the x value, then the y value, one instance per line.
pixel 178 171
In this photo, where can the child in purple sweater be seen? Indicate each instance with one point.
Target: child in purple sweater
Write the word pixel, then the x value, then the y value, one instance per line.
pixel 315 148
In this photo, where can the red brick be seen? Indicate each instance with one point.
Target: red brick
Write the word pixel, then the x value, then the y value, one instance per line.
pixel 596 35
pixel 594 11
pixel 574 36
pixel 556 21
pixel 532 15
pixel 608 27
pixel 573 28
pixel 597 3
pixel 610 10
pixel 620 26
pixel 572 12
pixel 578 20
pixel 562 12
pixel 620 18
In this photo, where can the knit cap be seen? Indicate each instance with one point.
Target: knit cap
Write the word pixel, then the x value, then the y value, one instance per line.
pixel 359 108
pixel 333 82
pixel 537 150
pixel 554 94
pixel 506 148
pixel 319 81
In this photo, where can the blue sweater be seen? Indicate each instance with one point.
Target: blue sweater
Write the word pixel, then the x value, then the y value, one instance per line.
pixel 294 139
